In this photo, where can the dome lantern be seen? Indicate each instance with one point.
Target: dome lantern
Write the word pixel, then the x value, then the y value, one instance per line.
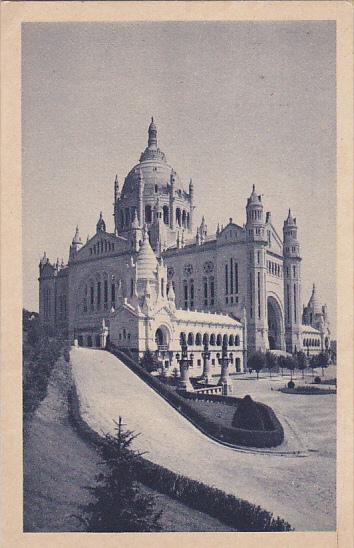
pixel 152 131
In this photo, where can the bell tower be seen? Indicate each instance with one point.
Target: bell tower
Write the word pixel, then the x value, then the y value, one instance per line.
pixel 256 282
pixel 292 285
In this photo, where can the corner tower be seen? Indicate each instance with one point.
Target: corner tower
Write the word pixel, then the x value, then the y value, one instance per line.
pixel 292 284
pixel 256 282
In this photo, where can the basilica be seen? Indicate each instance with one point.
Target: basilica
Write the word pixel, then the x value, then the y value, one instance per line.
pixel 157 279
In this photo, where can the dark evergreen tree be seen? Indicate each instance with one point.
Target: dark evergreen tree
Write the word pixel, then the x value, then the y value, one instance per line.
pixel 119 505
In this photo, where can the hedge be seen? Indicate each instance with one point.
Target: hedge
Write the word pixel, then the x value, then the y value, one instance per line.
pixel 230 510
pixel 308 390
pixel 271 437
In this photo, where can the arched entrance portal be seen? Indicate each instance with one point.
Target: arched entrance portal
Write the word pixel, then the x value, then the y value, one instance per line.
pixel 275 325
pixel 162 338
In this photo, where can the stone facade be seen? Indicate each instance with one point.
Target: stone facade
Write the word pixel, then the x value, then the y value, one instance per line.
pixel 158 277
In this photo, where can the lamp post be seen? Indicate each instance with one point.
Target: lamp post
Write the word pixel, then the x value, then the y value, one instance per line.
pixel 184 364
pixel 225 380
pixel 206 375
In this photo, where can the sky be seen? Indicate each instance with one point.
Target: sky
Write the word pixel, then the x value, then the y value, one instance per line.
pixel 235 103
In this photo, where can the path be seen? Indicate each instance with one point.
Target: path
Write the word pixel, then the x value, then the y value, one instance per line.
pixel 298 489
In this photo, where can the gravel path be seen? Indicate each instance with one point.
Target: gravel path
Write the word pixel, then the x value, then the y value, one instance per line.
pixel 300 489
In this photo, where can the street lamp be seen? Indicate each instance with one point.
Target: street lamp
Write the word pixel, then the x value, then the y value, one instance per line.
pixel 184 364
pixel 225 380
pixel 206 376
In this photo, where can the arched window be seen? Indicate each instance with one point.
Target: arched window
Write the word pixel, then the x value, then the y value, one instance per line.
pixel 212 339
pixel 165 215
pixel 188 221
pixel 205 338
pixel 178 216
pixel 218 340
pixel 191 293
pixel 237 340
pixel 105 292
pixel 198 339
pixel 85 298
pixel 182 338
pixel 184 218
pixel 225 340
pixel 98 295
pixel 190 340
pixel 148 214
pixel 231 340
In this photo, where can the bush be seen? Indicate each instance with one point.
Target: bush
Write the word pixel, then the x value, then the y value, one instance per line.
pixel 39 356
pixel 317 380
pixel 149 362
pixel 291 385
pixel 248 415
pixel 308 390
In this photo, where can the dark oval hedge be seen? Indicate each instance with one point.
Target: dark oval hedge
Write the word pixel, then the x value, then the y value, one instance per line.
pixel 237 513
pixel 271 437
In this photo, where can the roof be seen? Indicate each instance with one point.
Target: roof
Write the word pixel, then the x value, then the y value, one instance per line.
pixel 309 329
pixel 205 317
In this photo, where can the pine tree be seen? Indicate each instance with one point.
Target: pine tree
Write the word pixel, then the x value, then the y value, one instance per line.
pixel 119 505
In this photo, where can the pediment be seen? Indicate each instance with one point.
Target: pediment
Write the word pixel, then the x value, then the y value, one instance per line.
pixel 232 232
pixel 103 244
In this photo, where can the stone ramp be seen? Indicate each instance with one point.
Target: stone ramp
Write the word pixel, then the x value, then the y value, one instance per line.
pixel 108 389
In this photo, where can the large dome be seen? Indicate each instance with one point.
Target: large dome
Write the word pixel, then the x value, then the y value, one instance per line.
pixel 152 166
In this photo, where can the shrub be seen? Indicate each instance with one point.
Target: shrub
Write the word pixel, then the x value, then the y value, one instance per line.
pixel 149 362
pixel 39 356
pixel 308 389
pixel 248 415
pixel 317 380
pixel 291 384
